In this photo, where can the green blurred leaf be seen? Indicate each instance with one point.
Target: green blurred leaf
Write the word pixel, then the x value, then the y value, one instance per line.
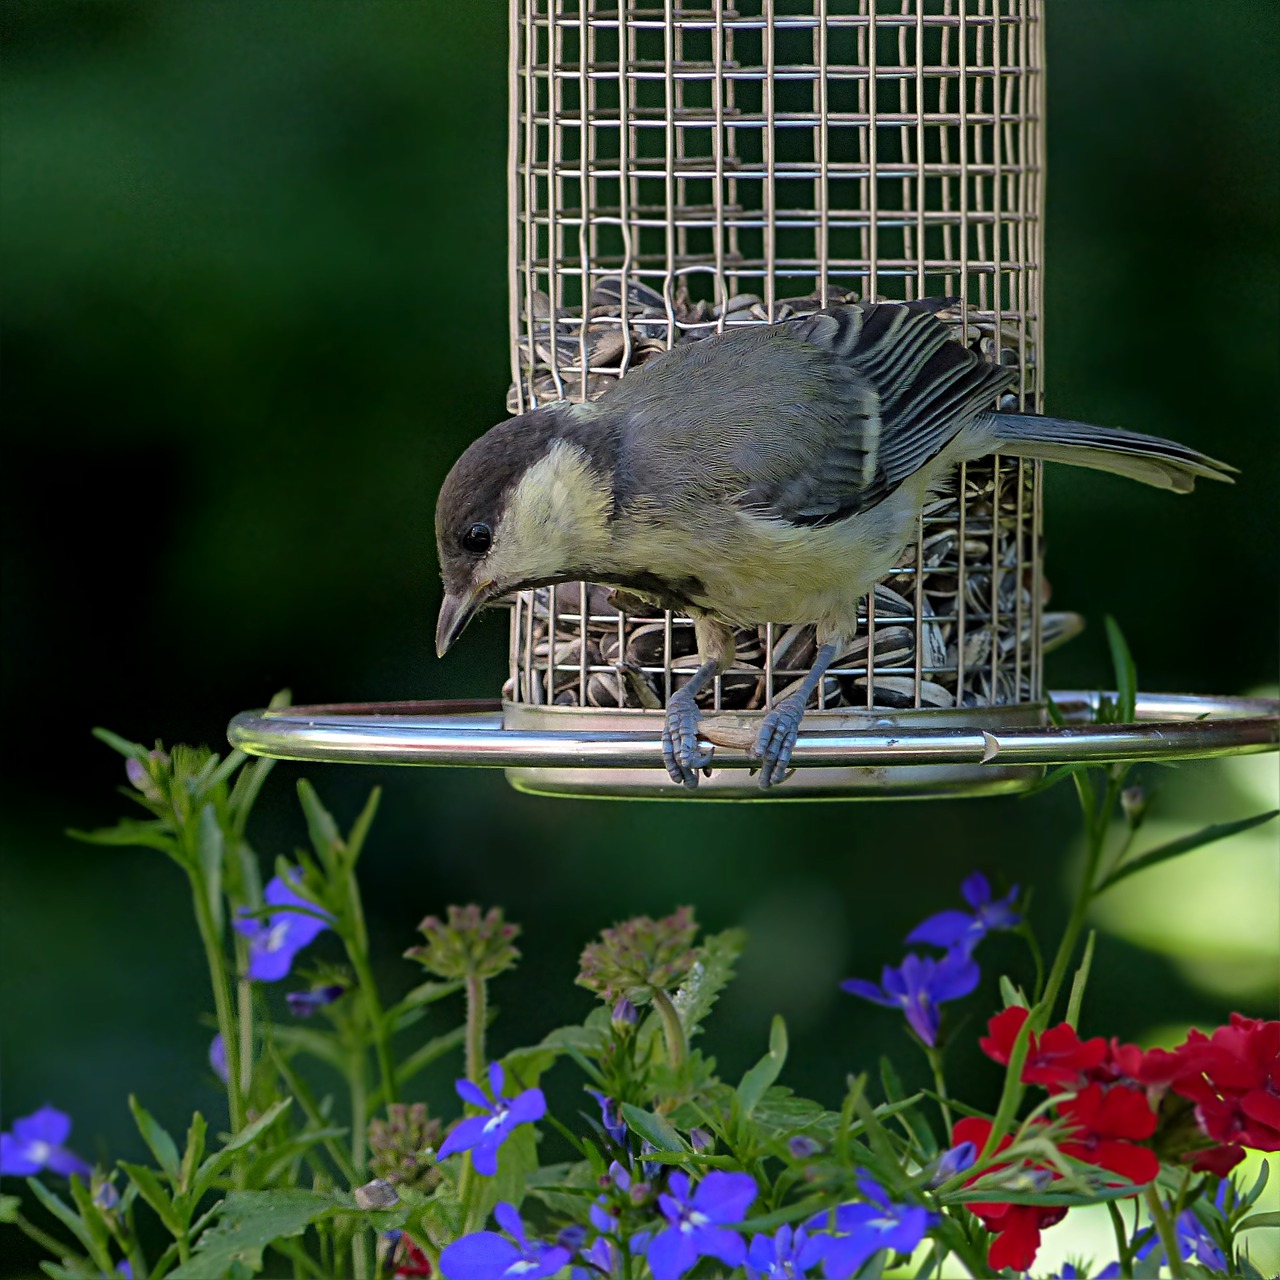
pixel 10 1208
pixel 1187 844
pixel 219 1160
pixel 1256 1220
pixel 133 750
pixel 156 1136
pixel 152 1191
pixel 1125 671
pixel 654 1128
pixel 248 1221
pixel 194 1152
pixel 64 1213
pixel 325 839
pixel 756 1082
pixel 426 1054
pixel 1080 981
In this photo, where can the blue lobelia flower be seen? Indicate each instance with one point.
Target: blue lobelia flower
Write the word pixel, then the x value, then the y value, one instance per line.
pixel 785 1255
pixel 483 1135
pixel 36 1143
pixel 865 1229
pixel 611 1117
pixel 1069 1272
pixel 965 929
pixel 953 1161
pixel 486 1255
pixel 302 1004
pixel 919 986
pixel 1194 1242
pixel 275 941
pixel 602 1256
pixel 218 1057
pixel 698 1224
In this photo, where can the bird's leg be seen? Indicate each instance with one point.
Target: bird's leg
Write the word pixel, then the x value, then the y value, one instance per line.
pixel 781 726
pixel 680 751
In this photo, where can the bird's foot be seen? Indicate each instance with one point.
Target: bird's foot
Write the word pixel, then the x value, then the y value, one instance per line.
pixel 680 751
pixel 776 739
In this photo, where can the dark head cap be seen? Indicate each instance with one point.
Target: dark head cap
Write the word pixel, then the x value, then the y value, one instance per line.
pixel 478 560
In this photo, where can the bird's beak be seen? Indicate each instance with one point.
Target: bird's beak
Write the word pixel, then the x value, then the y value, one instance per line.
pixel 456 612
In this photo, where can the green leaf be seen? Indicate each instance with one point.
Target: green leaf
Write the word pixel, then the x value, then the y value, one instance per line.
pixel 194 1152
pixel 221 1158
pixel 325 838
pixel 126 748
pixel 151 1189
pixel 700 991
pixel 655 1128
pixel 64 1213
pixel 890 1081
pixel 1081 979
pixel 1255 1220
pixel 423 994
pixel 759 1078
pixel 156 1136
pixel 248 1221
pixel 1126 673
pixel 1187 844
pixel 209 847
pixel 360 828
pixel 1250 1197
pixel 319 1044
pixel 128 832
pixel 10 1208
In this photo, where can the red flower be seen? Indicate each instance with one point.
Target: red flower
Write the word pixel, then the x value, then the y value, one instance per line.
pixel 410 1260
pixel 1017 1227
pixel 1058 1057
pixel 1106 1123
pixel 1233 1077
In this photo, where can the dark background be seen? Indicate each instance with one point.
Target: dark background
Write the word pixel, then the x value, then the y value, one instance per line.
pixel 254 305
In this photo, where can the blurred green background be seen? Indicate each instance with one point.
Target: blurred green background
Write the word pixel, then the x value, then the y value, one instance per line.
pixel 254 296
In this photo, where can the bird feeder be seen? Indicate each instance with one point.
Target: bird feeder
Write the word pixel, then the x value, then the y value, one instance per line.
pixel 682 167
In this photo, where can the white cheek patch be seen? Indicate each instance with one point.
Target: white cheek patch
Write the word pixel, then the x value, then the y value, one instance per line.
pixel 556 512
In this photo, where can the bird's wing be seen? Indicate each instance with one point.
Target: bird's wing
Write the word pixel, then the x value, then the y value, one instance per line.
pixel 811 420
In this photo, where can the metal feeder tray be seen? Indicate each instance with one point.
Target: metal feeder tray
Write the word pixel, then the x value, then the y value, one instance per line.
pixel 839 754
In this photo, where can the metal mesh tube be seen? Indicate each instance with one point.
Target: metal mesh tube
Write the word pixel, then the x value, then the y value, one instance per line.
pixel 683 166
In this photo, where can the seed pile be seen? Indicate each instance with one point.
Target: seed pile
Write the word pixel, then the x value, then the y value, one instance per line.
pixel 952 626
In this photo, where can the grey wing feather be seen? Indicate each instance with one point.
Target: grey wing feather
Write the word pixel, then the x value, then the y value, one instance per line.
pixel 810 420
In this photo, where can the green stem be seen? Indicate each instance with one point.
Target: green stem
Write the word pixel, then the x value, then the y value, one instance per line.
pixel 940 1084
pixel 1096 826
pixel 1122 1238
pixel 1164 1228
pixel 477 1016
pixel 672 1031
pixel 357 937
pixel 222 1006
pixel 378 1021
pixel 50 1244
pixel 359 1108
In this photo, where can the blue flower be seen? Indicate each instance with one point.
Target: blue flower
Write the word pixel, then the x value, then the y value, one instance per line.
pixel 602 1254
pixel 963 929
pixel 919 986
pixel 36 1143
pixel 865 1229
pixel 302 1004
pixel 483 1135
pixel 953 1161
pixel 218 1057
pixel 785 1255
pixel 275 941
pixel 698 1224
pixel 611 1117
pixel 1069 1272
pixel 1194 1242
pixel 486 1255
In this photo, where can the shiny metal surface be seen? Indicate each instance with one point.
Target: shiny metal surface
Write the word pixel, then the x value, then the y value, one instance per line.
pixel 873 757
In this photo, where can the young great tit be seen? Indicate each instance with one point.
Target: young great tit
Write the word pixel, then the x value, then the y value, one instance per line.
pixel 767 474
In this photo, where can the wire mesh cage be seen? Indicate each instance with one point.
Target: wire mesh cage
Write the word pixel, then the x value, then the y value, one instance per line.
pixel 684 167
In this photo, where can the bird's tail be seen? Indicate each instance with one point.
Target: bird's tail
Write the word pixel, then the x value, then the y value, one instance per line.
pixel 1162 463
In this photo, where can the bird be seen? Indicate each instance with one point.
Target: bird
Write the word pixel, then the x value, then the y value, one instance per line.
pixel 768 473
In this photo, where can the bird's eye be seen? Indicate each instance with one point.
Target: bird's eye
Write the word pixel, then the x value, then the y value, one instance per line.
pixel 477 539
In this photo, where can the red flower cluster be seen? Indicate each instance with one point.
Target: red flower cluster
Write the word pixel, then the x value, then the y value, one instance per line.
pixel 1225 1086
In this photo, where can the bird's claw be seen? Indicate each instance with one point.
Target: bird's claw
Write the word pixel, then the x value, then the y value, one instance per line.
pixel 680 751
pixel 776 740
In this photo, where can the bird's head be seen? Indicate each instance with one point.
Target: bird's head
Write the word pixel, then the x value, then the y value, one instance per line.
pixel 527 504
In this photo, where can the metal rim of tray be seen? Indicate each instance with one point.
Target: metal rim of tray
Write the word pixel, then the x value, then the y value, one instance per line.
pixel 471 733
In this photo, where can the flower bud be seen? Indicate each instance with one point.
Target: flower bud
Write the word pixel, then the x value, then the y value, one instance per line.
pixel 402 1147
pixel 624 1014
pixel 1133 802
pixel 801 1147
pixel 952 1162
pixel 701 1140
pixel 467 944
pixel 640 955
